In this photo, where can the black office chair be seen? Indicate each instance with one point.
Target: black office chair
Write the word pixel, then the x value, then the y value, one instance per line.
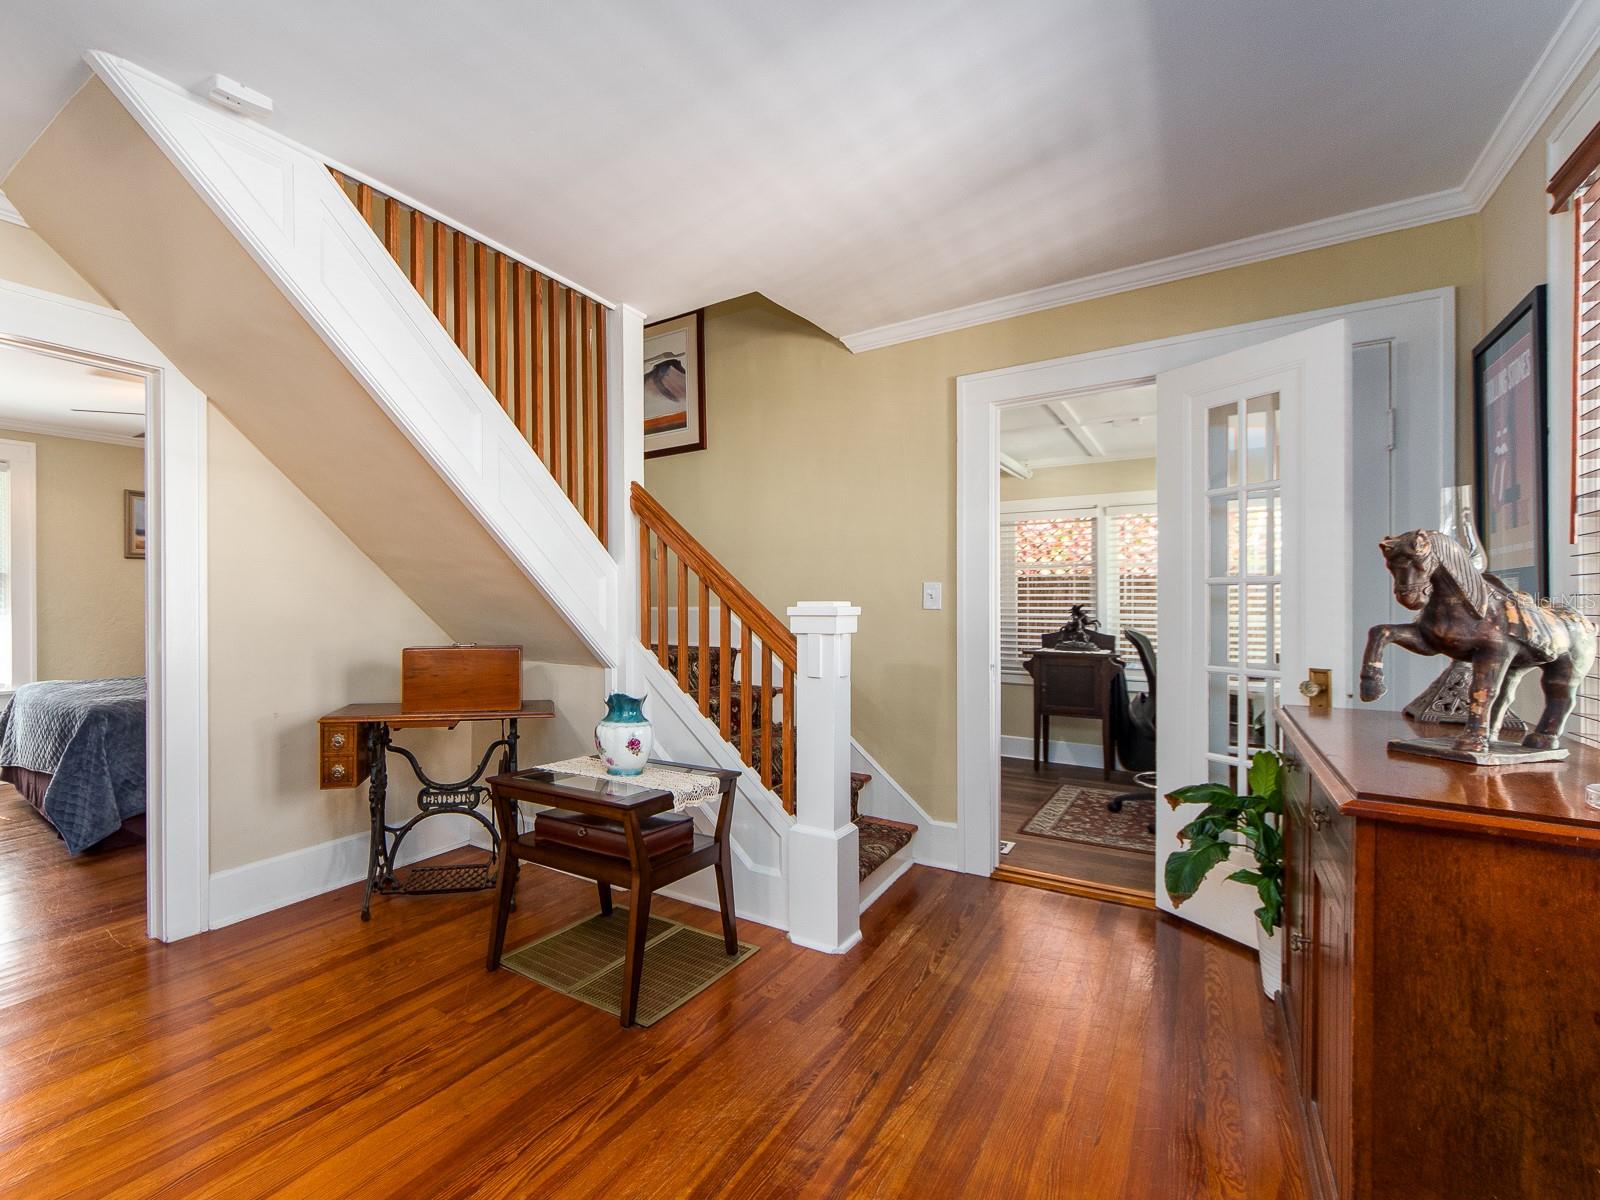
pixel 1142 716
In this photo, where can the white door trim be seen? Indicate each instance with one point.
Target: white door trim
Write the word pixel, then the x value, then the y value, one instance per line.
pixel 979 399
pixel 22 460
pixel 177 815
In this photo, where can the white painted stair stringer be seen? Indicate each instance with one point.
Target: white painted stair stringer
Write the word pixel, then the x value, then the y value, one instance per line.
pixel 278 199
pixel 760 825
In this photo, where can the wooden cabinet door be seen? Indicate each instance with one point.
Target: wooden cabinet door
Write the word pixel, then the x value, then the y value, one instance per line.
pixel 1298 966
pixel 1329 1040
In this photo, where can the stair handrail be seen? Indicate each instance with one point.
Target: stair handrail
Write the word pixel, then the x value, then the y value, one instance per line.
pixel 758 745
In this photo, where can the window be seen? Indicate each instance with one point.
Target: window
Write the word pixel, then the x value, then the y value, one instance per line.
pixel 1586 424
pixel 1057 553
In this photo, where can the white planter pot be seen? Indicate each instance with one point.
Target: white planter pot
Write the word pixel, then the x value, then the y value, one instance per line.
pixel 1270 948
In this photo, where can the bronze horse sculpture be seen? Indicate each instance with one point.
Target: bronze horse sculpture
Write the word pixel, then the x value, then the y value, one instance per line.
pixel 1472 617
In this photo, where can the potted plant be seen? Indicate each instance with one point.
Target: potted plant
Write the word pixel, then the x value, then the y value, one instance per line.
pixel 1228 821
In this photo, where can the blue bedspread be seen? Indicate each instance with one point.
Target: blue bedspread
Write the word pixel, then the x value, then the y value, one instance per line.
pixel 89 736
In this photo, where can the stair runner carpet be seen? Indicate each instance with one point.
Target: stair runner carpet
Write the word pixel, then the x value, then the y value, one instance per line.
pixel 879 838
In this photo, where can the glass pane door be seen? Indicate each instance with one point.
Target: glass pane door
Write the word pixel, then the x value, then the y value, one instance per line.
pixel 1244 525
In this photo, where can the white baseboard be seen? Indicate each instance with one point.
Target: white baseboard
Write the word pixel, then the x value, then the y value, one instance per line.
pixel 936 843
pixel 240 893
pixel 887 875
pixel 849 944
pixel 1065 754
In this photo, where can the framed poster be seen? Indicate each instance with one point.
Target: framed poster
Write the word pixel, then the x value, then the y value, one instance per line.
pixel 1508 401
pixel 674 386
pixel 132 524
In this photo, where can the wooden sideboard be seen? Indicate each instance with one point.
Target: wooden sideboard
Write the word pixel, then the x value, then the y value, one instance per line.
pixel 1441 991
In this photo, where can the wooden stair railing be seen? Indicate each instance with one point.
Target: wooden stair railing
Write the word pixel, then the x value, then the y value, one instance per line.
pixel 537 344
pixel 679 577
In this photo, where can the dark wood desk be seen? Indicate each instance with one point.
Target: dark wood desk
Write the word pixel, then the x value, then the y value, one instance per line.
pixel 628 805
pixel 353 745
pixel 1072 683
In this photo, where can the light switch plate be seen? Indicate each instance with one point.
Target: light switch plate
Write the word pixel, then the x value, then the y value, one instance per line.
pixel 933 595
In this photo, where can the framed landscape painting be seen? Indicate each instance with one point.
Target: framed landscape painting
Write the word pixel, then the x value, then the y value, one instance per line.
pixel 133 524
pixel 674 386
pixel 1508 393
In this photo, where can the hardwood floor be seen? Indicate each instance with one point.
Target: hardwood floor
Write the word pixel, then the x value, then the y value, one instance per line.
pixel 983 1041
pixel 1022 791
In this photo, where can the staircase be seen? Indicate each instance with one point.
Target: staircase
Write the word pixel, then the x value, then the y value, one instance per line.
pixel 474 424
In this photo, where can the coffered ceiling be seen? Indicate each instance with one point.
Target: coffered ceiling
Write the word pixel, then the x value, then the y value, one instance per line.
pixel 863 164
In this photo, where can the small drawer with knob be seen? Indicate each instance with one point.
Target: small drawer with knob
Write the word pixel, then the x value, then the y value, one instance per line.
pixel 343 754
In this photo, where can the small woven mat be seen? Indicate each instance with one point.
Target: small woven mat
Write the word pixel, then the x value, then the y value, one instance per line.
pixel 1079 814
pixel 689 788
pixel 584 961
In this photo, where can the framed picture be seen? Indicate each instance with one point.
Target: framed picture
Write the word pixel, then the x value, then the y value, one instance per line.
pixel 1508 400
pixel 674 386
pixel 132 524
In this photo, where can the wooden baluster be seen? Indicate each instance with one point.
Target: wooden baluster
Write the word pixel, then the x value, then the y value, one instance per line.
pixel 419 255
pixel 644 584
pixel 536 336
pixel 600 405
pixel 502 335
pixel 745 715
pixel 661 604
pixel 553 360
pixel 391 228
pixel 683 624
pixel 441 264
pixel 572 396
pixel 725 683
pixel 766 718
pixel 364 202
pixel 460 288
pixel 788 769
pixel 586 388
pixel 480 310
pixel 519 356
pixel 706 657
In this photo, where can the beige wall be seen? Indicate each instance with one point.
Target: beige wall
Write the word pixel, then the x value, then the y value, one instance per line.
pixel 832 475
pixel 90 598
pixel 1089 479
pixel 301 622
pixel 26 258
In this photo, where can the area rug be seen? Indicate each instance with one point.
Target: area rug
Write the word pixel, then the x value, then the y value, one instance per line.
pixel 584 961
pixel 1079 814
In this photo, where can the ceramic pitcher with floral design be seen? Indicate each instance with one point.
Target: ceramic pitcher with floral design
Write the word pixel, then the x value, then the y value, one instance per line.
pixel 623 737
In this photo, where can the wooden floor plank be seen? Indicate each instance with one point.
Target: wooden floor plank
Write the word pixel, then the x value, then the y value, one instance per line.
pixel 983 1040
pixel 1023 790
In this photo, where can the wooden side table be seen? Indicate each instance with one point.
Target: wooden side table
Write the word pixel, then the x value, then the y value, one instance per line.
pixel 626 804
pixel 1072 683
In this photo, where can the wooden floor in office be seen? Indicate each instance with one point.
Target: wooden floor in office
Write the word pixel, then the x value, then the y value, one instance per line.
pixel 1023 790
pixel 982 1041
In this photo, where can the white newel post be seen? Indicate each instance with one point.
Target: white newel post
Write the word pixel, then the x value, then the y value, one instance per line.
pixel 824 891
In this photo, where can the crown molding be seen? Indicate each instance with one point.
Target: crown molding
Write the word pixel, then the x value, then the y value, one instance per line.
pixel 8 212
pixel 1574 44
pixel 1367 222
pixel 77 434
pixel 1576 41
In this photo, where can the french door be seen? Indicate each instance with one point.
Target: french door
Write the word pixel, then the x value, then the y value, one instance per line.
pixel 1255 568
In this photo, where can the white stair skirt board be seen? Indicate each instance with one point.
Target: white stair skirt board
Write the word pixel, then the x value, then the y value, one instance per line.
pixel 1062 754
pixel 935 843
pixel 881 880
pixel 243 892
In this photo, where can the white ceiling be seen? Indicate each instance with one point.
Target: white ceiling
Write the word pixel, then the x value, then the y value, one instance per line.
pixel 39 391
pixel 859 163
pixel 1101 427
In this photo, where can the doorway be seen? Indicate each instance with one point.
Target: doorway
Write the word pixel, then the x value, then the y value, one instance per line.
pixel 89 338
pixel 1079 539
pixel 1398 481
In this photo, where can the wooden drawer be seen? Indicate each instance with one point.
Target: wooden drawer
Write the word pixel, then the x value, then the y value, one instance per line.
pixel 344 759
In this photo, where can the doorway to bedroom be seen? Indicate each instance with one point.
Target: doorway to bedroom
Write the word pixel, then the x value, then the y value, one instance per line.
pixel 73 635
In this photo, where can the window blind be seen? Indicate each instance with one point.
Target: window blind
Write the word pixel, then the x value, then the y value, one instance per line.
pixel 1586 424
pixel 1047 564
pixel 1132 545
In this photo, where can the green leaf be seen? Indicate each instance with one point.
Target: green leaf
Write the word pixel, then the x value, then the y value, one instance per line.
pixel 1203 793
pixel 1186 869
pixel 1266 774
pixel 1247 876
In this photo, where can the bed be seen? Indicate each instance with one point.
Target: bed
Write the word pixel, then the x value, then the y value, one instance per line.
pixel 75 750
